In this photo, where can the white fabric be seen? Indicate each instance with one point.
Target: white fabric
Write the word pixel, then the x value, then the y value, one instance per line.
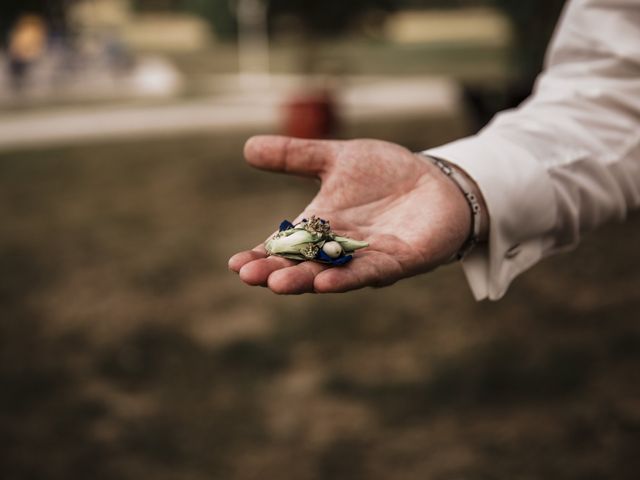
pixel 566 160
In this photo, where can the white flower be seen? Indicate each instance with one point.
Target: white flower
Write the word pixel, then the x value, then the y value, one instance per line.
pixel 349 244
pixel 292 243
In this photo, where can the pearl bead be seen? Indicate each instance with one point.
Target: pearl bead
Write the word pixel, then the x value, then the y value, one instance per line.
pixel 332 249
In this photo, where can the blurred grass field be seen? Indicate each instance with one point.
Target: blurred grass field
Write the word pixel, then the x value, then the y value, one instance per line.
pixel 129 351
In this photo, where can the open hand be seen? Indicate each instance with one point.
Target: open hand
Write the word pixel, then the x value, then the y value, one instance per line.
pixel 413 217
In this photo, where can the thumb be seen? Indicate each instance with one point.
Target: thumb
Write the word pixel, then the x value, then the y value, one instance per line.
pixel 290 155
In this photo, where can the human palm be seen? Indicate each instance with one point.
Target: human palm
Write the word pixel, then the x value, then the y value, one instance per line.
pixel 413 217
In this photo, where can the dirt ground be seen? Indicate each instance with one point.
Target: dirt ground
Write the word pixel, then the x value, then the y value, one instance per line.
pixel 128 351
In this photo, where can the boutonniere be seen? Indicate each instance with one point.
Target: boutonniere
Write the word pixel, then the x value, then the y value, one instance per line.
pixel 312 239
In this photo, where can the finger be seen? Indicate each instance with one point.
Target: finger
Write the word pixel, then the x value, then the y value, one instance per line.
pixel 296 279
pixel 370 269
pixel 289 155
pixel 257 272
pixel 239 260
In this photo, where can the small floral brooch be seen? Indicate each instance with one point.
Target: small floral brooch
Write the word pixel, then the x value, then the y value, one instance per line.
pixel 312 239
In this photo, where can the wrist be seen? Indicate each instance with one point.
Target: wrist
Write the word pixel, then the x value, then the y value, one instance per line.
pixel 479 215
pixel 483 214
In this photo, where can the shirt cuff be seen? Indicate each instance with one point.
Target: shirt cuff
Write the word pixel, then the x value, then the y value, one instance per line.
pixel 521 202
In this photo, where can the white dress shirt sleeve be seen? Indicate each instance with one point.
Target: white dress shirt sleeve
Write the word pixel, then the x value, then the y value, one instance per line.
pixel 568 159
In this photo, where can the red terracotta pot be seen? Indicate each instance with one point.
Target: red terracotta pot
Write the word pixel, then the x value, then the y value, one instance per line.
pixel 310 114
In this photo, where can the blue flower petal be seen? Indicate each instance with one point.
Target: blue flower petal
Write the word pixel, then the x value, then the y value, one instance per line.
pixel 286 225
pixel 324 258
pixel 342 260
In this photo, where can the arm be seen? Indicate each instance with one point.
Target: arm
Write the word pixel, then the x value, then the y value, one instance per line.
pixel 569 158
pixel 565 162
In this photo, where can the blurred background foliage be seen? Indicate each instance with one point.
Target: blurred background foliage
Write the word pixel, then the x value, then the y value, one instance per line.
pixel 532 24
pixel 128 351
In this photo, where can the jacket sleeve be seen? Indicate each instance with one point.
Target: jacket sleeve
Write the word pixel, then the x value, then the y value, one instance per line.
pixel 568 159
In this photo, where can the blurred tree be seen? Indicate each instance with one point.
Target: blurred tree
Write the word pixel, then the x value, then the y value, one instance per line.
pixel 442 3
pixel 329 17
pixel 533 24
pixel 219 13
